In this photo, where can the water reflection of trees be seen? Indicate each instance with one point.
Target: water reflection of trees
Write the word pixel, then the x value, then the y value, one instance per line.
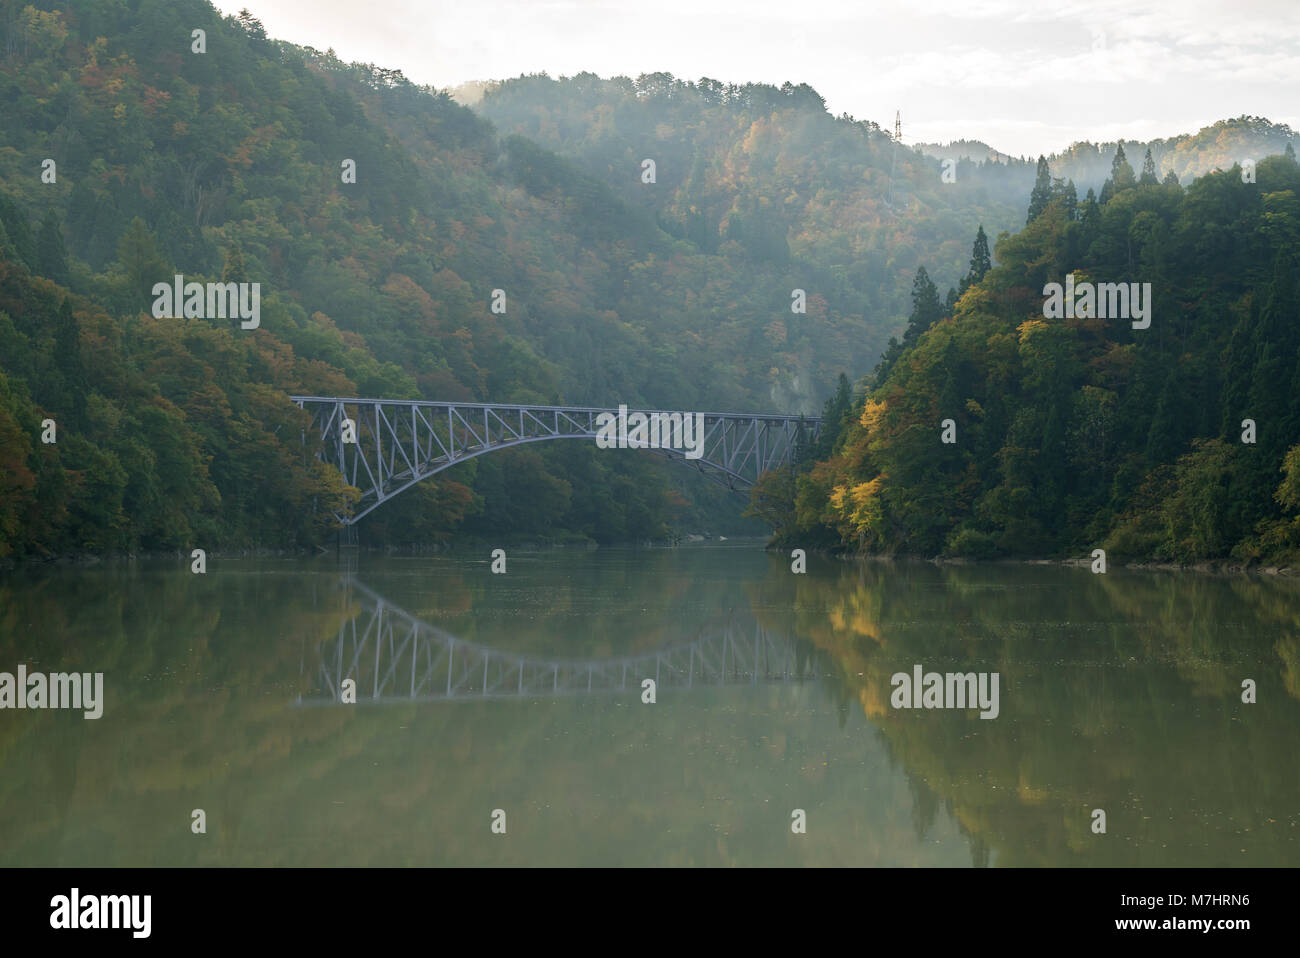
pixel 200 672
pixel 1120 692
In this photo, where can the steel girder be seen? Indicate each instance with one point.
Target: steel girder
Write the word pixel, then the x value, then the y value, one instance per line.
pixel 400 442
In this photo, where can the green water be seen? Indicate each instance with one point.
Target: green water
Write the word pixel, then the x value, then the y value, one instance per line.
pixel 522 693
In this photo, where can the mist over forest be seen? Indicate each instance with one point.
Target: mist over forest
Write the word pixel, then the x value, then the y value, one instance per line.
pixel 922 267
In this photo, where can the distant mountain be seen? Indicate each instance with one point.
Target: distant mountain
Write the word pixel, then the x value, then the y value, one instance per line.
pixel 769 169
pixel 471 92
pixel 1216 147
pixel 975 150
pixel 1219 146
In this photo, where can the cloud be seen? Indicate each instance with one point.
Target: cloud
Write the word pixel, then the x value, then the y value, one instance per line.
pixel 1069 70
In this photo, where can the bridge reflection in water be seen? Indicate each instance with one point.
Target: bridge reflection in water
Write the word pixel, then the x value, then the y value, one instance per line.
pixel 395 657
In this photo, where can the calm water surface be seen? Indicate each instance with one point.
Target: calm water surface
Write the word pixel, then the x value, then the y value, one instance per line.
pixel 522 692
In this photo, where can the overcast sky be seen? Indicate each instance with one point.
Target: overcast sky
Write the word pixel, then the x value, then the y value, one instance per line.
pixel 1025 77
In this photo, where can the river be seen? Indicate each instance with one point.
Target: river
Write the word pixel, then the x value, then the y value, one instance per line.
pixel 500 719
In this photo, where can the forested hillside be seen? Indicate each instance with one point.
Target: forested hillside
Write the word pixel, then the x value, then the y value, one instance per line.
pixel 1175 442
pixel 771 169
pixel 765 173
pixel 129 155
pixel 226 164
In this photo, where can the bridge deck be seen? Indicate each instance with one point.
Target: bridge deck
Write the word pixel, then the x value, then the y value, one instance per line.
pixel 385 446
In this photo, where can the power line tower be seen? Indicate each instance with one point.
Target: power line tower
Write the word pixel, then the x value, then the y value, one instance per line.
pixel 893 164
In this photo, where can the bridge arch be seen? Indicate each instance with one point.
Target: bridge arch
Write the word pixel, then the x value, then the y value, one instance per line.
pixel 384 447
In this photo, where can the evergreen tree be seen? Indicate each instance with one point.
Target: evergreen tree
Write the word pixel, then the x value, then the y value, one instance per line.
pixel 1275 347
pixel 1120 171
pixel 980 260
pixel 881 372
pixel 1071 200
pixel 980 264
pixel 833 416
pixel 1148 177
pixel 1171 179
pixel 1289 153
pixel 926 308
pixel 19 230
pixel 252 26
pixel 1042 192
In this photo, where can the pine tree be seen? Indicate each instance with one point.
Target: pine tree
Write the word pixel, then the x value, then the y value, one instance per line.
pixel 1120 171
pixel 1042 192
pixel 1289 153
pixel 833 413
pixel 980 260
pixel 1071 199
pixel 881 372
pixel 926 308
pixel 251 25
pixel 980 264
pixel 1148 177
pixel 1067 194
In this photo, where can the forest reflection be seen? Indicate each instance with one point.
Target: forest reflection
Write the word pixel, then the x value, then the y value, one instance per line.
pixel 1121 692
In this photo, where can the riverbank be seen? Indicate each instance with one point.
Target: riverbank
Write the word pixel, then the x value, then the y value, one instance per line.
pixel 460 545
pixel 1219 567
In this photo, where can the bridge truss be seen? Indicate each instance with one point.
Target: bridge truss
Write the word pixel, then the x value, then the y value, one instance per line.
pixel 400 442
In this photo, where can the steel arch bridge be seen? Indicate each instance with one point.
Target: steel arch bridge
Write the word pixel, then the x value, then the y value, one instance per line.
pixel 393 657
pixel 401 442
